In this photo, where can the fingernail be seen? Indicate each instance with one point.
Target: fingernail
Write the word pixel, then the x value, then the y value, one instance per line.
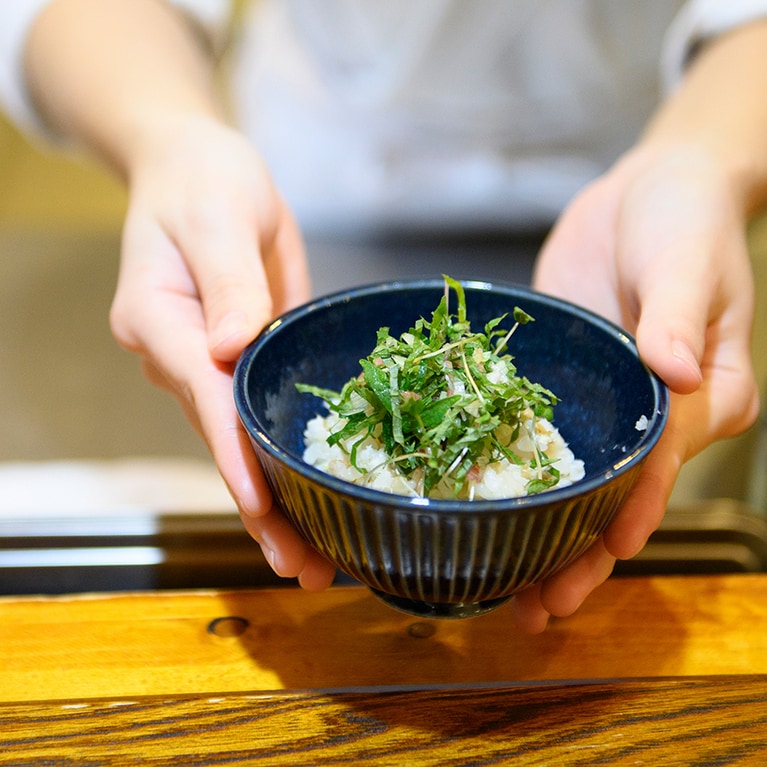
pixel 269 554
pixel 230 326
pixel 684 354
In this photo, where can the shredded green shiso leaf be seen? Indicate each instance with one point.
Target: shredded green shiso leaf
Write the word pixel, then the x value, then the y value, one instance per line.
pixel 442 399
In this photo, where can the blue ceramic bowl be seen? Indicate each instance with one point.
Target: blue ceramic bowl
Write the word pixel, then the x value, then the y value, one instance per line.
pixel 444 558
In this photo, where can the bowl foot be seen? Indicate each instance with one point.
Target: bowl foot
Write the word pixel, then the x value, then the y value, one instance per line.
pixel 445 610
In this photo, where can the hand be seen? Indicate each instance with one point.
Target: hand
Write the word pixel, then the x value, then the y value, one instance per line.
pixel 210 254
pixel 657 245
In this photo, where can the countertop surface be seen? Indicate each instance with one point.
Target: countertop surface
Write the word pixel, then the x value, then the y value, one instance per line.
pixel 661 670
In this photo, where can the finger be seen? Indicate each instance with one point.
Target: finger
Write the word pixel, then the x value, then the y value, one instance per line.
pixel 257 279
pixel 725 404
pixel 284 549
pixel 287 553
pixel 643 510
pixel 528 612
pixel 672 347
pixel 683 249
pixel 286 265
pixel 563 593
pixel 671 332
pixel 222 251
pixel 318 573
pixel 207 397
pixel 169 333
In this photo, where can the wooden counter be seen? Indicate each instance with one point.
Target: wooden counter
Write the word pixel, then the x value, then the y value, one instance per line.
pixel 651 670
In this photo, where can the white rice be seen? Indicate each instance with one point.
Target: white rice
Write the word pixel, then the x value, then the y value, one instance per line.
pixel 497 479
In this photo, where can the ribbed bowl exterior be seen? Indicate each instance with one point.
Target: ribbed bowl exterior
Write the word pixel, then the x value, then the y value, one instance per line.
pixel 433 556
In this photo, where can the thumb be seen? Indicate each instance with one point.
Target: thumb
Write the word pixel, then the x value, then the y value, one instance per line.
pixel 236 299
pixel 226 266
pixel 671 332
pixel 251 281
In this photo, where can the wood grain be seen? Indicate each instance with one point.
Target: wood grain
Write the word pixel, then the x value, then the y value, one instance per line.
pixel 161 643
pixel 693 721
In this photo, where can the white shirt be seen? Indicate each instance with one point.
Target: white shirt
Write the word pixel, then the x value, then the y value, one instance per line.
pixel 443 114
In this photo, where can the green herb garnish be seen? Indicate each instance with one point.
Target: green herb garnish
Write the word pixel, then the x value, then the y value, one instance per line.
pixel 442 399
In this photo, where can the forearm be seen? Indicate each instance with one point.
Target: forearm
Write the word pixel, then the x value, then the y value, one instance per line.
pixel 721 109
pixel 115 75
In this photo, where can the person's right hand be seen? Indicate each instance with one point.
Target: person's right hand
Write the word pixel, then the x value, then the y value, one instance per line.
pixel 658 246
pixel 210 255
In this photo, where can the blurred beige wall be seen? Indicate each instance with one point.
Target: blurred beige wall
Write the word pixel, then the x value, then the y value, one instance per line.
pixel 46 189
pixel 66 389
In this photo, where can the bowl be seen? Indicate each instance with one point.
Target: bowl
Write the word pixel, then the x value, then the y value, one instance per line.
pixel 451 558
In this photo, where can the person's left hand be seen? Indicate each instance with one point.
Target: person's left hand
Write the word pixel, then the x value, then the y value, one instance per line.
pixel 211 254
pixel 657 245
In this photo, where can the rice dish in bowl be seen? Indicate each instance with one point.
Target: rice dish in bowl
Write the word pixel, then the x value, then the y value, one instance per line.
pixel 437 557
pixel 443 411
pixel 493 481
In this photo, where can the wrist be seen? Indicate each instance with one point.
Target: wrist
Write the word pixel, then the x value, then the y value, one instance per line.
pixel 720 114
pixel 112 75
pixel 157 137
pixel 738 172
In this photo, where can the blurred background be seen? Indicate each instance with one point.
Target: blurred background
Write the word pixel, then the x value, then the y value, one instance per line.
pixel 102 481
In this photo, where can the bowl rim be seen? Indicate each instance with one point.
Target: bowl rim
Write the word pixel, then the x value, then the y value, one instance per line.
pixel 649 439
